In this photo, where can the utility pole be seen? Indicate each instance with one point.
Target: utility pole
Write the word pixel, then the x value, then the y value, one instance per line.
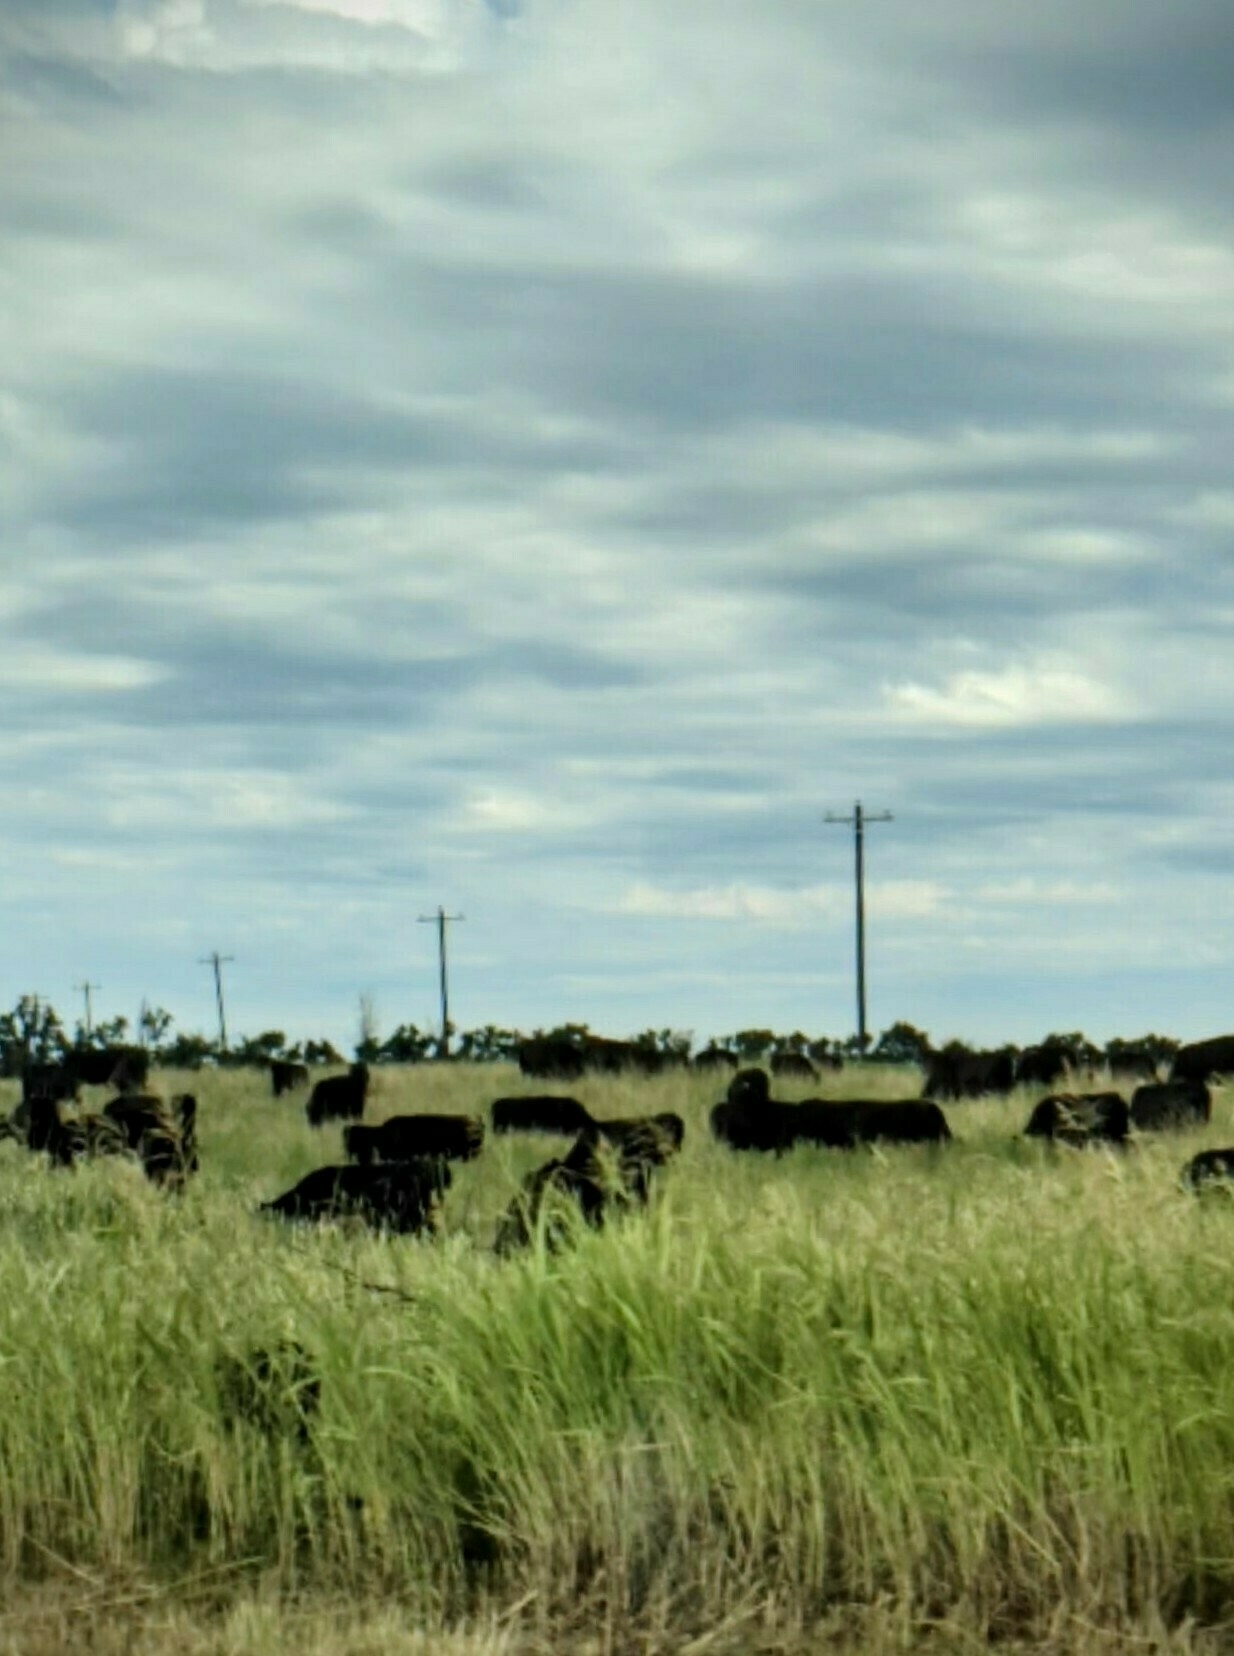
pixel 441 920
pixel 859 819
pixel 86 988
pixel 216 960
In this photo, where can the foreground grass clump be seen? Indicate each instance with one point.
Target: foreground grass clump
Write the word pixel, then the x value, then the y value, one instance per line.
pixel 986 1387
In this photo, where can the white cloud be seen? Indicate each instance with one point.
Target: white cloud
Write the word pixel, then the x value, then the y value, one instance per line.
pixel 53 672
pixel 1027 888
pixel 776 907
pixel 422 16
pixel 1040 692
pixel 194 800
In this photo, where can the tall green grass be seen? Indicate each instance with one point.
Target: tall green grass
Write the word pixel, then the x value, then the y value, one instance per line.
pixel 982 1386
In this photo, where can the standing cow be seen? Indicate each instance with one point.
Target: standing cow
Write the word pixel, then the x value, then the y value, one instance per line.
pixel 338 1097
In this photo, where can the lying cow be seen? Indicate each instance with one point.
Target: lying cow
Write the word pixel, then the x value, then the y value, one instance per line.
pixel 750 1119
pixel 396 1196
pixel 1081 1119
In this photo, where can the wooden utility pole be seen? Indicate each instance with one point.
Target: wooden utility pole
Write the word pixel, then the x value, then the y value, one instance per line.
pixel 85 989
pixel 441 920
pixel 216 960
pixel 858 820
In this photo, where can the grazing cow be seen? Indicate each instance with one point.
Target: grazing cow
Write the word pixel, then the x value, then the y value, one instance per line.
pixel 958 1073
pixel 794 1064
pixel 127 1068
pixel 163 1137
pixel 551 1059
pixel 67 1142
pixel 715 1057
pixel 338 1097
pixel 1204 1060
pixel 53 1081
pixel 609 1057
pixel 1212 1169
pixel 1043 1066
pixel 1165 1104
pixel 394 1196
pixel 539 1113
pixel 412 1137
pixel 831 1123
pixel 1134 1066
pixel 900 1121
pixel 641 1144
pixel 284 1075
pixel 1080 1119
pixel 593 1179
pixel 667 1124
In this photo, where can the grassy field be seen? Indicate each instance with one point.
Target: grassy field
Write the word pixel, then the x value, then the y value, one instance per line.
pixel 908 1399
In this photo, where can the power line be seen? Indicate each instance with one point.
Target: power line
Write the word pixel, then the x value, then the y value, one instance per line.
pixel 86 988
pixel 441 920
pixel 859 819
pixel 216 960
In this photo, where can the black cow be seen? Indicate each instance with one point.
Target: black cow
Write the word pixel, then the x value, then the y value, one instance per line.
pixel 749 1118
pixel 68 1142
pixel 53 1081
pixel 1162 1105
pixel 1204 1060
pixel 667 1125
pixel 162 1136
pixel 793 1064
pixel 641 1144
pixel 338 1097
pixel 958 1073
pixel 715 1057
pixel 1213 1169
pixel 412 1137
pixel 899 1121
pixel 831 1123
pixel 1134 1066
pixel 284 1075
pixel 539 1113
pixel 1043 1066
pixel 127 1068
pixel 592 1180
pixel 551 1059
pixel 1081 1119
pixel 395 1196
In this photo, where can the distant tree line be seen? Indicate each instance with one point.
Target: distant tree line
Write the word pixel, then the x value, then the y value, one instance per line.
pixel 34 1033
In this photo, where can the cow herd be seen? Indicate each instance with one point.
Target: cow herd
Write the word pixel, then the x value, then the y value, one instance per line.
pixel 160 1136
pixel 396 1172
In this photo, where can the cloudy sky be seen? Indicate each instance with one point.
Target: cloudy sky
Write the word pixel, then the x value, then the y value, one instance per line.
pixel 540 457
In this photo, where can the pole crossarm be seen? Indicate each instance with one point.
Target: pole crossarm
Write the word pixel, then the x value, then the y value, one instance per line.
pixel 86 989
pixel 441 920
pixel 217 960
pixel 858 821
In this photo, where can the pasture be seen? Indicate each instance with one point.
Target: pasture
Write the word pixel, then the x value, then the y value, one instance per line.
pixel 909 1398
